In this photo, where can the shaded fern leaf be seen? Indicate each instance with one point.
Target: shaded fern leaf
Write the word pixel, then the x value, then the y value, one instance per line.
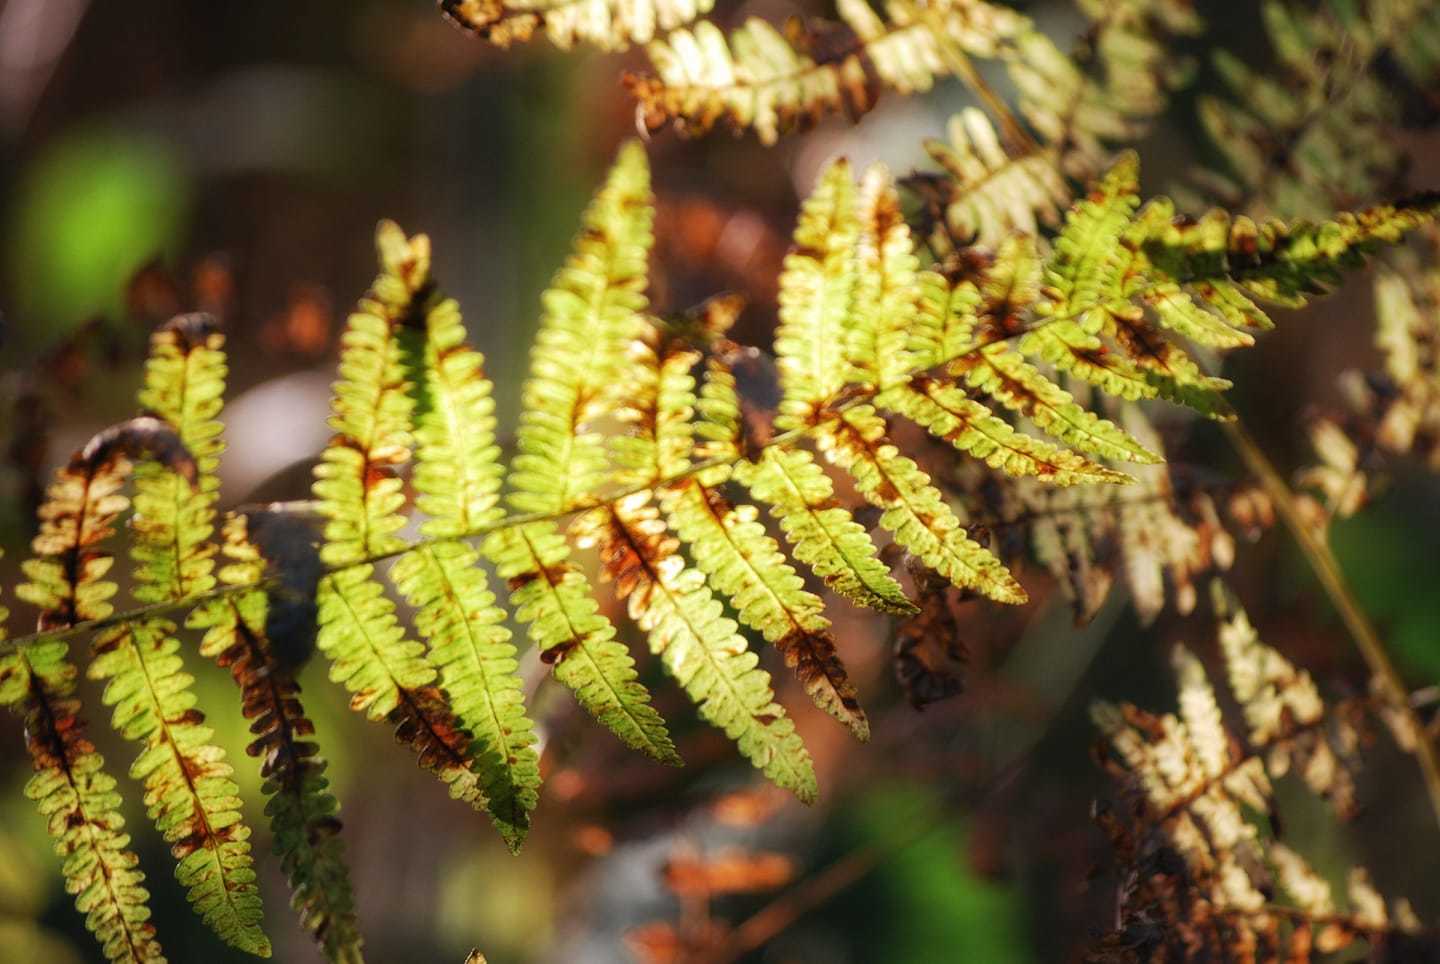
pixel 457 478
pixel 593 300
pixel 240 636
pixel 360 497
pixel 189 790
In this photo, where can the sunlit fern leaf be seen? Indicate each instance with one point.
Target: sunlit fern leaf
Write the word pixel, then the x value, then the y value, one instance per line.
pixel 698 645
pixel 906 333
pixel 817 299
pixel 239 635
pixel 985 193
pixel 457 481
pixel 189 788
pixel 759 79
pixel 1282 263
pixel 746 566
pixel 990 366
pixel 81 805
pixel 67 581
pixel 800 495
pixel 359 495
pixel 740 560
pixel 913 510
pixel 608 24
pixel 1086 294
pixel 822 533
pixel 594 300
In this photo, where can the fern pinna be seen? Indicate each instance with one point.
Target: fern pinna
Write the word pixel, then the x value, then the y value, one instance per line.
pixel 1026 355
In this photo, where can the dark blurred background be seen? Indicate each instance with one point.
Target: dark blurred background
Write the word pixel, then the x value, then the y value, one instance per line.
pixel 160 155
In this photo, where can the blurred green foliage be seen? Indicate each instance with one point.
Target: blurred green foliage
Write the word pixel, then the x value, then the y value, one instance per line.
pixel 93 206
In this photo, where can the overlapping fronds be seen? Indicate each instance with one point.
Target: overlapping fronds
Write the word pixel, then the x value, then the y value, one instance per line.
pixel 360 497
pixel 983 191
pixel 607 24
pixel 761 79
pixel 1156 537
pixel 189 790
pixel 1196 790
pixel 594 300
pixel 1320 133
pixel 255 636
pixel 68 582
pixel 1393 413
pixel 457 481
pixel 672 601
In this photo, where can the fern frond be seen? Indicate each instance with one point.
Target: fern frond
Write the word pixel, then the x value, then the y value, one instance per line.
pixel 758 79
pixel 189 790
pixel 360 497
pixel 67 575
pixel 698 645
pixel 67 580
pixel 817 296
pixel 241 636
pixel 608 24
pixel 1196 790
pixel 913 510
pixel 986 192
pixel 740 560
pixel 457 481
pixel 1328 113
pixel 745 565
pixel 822 533
pixel 80 803
pixel 594 300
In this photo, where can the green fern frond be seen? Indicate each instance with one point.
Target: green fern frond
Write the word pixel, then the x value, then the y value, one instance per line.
pixel 913 510
pixel 746 566
pixel 67 580
pixel 301 808
pixel 595 300
pixel 608 24
pixel 360 498
pixel 81 804
pixel 817 293
pixel 457 481
pixel 822 533
pixel 189 790
pixel 697 644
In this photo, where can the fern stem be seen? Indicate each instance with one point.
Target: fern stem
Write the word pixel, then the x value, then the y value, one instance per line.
pixel 1020 141
pixel 1327 570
